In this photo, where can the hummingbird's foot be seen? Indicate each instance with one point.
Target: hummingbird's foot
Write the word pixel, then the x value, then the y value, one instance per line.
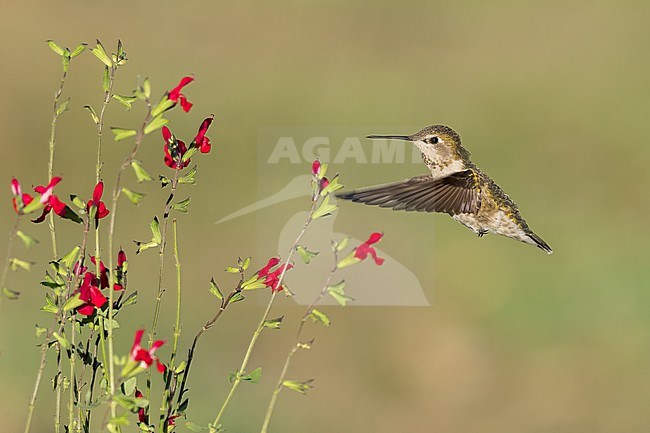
pixel 482 232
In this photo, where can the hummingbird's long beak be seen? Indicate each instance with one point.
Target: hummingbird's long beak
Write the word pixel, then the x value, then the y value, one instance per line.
pixel 390 137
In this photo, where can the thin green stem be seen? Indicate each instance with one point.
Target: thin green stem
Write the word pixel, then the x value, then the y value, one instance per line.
pixel 73 359
pixel 161 253
pixel 171 382
pixel 52 145
pixel 32 399
pixel 297 345
pixel 108 93
pixel 260 326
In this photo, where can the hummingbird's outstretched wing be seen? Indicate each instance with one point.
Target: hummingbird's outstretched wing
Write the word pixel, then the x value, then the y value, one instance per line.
pixel 454 194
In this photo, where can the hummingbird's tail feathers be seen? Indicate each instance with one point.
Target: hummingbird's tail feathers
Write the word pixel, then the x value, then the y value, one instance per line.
pixel 454 194
pixel 540 243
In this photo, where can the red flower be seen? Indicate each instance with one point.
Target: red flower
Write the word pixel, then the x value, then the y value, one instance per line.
pixel 120 271
pixel 103 272
pixel 20 199
pixel 174 150
pixel 171 421
pixel 201 141
pixel 97 203
pixel 146 357
pixel 362 251
pixel 175 94
pixel 315 167
pixel 91 295
pixel 272 279
pixel 46 191
pixel 142 415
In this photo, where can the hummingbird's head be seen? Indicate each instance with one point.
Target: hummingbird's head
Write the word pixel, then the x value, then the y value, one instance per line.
pixel 436 142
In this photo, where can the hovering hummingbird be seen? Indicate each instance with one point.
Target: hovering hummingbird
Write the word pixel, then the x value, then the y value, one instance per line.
pixel 455 186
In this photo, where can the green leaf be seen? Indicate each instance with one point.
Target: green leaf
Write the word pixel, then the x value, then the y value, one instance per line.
pixel 146 88
pixel 232 269
pixel 12 295
pixel 164 105
pixel 73 302
pixel 214 289
pixel 246 263
pixel 320 317
pixel 305 254
pixel 65 60
pixel 254 376
pixel 340 246
pixel 62 107
pixel 123 134
pixel 15 264
pixel 32 207
pixel 140 173
pixel 194 427
pixel 40 331
pixel 62 340
pixel 131 299
pixel 129 385
pixel 100 53
pixel 190 153
pixel 106 81
pixel 55 47
pixel 80 49
pixel 69 259
pixel 273 323
pixel 189 177
pixel 92 114
pixel 254 285
pixel 300 386
pixel 50 305
pixel 237 297
pixel 133 196
pixel 155 231
pixel 143 246
pixel 182 205
pixel 324 209
pixel 125 100
pixel 111 324
pixel 79 203
pixel 337 292
pixel 27 240
pixel 156 123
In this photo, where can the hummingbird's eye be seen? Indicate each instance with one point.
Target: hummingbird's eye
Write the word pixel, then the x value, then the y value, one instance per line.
pixel 433 140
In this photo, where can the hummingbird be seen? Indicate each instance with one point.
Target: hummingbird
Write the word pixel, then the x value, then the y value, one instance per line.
pixel 455 186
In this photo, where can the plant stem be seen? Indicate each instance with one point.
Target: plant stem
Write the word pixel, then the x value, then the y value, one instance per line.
pixel 32 399
pixel 260 326
pixel 170 386
pixel 297 344
pixel 51 145
pixel 161 253
pixel 108 93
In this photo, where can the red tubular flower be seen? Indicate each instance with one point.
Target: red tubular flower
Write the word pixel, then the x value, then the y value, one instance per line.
pixel 142 415
pixel 146 357
pixel 171 421
pixel 97 203
pixel 271 279
pixel 103 271
pixel 91 295
pixel 120 271
pixel 362 251
pixel 175 94
pixel 174 150
pixel 315 167
pixel 20 199
pixel 201 141
pixel 46 191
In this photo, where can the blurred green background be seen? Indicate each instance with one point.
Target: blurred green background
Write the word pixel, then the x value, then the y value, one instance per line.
pixel 551 98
